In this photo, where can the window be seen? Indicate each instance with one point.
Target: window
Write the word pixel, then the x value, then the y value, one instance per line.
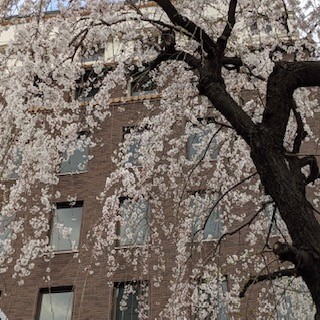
pixel 2 315
pixel 5 232
pixel 205 215
pixel 133 229
pixel 75 158
pixel 65 232
pixel 88 84
pixel 94 55
pixel 273 216
pixel 55 303
pixel 17 160
pixel 283 303
pixel 288 313
pixel 261 25
pixel 202 141
pixel 209 300
pixel 142 84
pixel 54 6
pixel 130 300
pixel 135 138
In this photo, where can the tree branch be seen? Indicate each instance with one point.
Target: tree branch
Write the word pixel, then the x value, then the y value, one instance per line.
pixel 285 78
pixel 223 39
pixel 193 29
pixel 311 161
pixel 301 133
pixel 270 276
pixel 193 62
pixel 300 258
pixel 216 92
pixel 224 194
pixel 217 203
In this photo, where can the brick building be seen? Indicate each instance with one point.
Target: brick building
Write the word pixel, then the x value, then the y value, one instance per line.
pixel 73 283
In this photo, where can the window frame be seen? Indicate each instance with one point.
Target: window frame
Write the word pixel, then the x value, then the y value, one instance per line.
pixel 222 306
pixel 215 211
pixel 88 83
pixel 142 285
pixel 135 82
pixel 85 155
pixel 146 217
pixel 50 290
pixel 135 132
pixel 211 150
pixel 65 205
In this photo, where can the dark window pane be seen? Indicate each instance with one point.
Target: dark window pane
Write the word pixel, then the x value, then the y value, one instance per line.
pixel 130 299
pixel 142 85
pixel 88 84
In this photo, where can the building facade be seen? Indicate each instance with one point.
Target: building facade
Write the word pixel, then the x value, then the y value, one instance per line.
pixel 140 245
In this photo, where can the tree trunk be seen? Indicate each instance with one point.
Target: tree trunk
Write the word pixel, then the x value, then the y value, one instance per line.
pixel 287 189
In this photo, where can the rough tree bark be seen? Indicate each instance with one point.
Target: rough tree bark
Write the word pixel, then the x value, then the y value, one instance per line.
pixel 279 170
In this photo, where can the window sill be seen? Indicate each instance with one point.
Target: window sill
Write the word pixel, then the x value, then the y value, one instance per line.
pixel 129 98
pixel 205 240
pixel 200 159
pixel 132 246
pixel 70 173
pixel 65 252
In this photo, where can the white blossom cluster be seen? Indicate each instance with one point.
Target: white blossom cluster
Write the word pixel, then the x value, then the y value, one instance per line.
pixel 175 186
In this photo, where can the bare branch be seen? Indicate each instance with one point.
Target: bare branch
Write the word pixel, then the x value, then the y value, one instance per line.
pixel 270 276
pixel 310 161
pixel 283 81
pixel 232 63
pixel 176 55
pixel 271 226
pixel 229 190
pixel 223 39
pixel 193 29
pixel 217 203
pixel 248 223
pixel 254 75
pixel 242 226
pixel 301 133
